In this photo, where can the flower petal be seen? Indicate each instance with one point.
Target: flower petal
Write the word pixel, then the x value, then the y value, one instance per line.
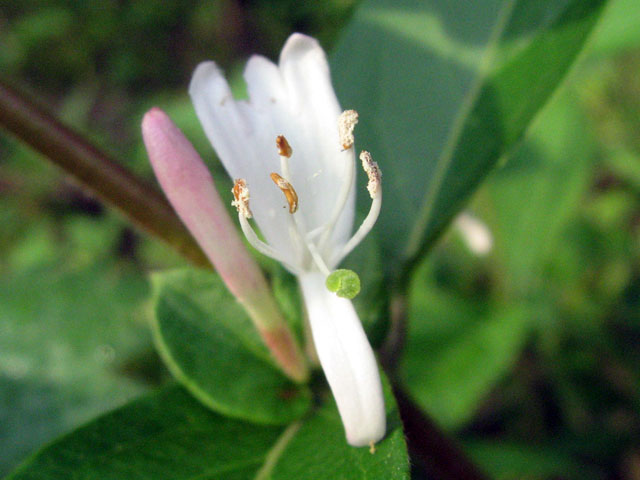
pixel 312 100
pixel 294 99
pixel 348 361
pixel 240 142
pixel 264 84
pixel 475 233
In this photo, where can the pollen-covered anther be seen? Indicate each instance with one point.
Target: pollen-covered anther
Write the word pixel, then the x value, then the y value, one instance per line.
pixel 373 172
pixel 284 149
pixel 241 198
pixel 288 190
pixel 346 123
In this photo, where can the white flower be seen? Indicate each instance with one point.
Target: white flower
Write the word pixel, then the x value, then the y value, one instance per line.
pixel 291 152
pixel 475 233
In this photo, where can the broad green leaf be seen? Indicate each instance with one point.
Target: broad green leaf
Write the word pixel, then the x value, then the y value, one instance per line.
pixel 507 460
pixel 212 348
pixel 170 436
pixel 619 28
pixel 165 436
pixel 444 90
pixel 527 202
pixel 457 350
pixel 67 334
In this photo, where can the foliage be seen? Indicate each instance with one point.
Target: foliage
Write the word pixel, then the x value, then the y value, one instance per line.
pixel 527 355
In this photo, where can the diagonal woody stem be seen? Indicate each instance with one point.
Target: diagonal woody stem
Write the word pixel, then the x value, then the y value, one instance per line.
pixel 429 447
pixel 144 205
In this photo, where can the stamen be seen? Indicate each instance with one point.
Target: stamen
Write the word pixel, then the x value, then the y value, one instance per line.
pixel 288 190
pixel 373 172
pixel 284 149
pixel 241 198
pixel 285 152
pixel 298 228
pixel 346 123
pixel 241 202
pixel 262 247
pixel 317 258
pixel 375 190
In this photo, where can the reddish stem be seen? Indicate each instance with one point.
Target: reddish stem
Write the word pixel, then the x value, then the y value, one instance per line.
pixel 140 202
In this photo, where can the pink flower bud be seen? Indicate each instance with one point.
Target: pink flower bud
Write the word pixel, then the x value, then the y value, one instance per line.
pixel 188 185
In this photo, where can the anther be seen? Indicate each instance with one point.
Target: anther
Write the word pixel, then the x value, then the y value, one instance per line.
pixel 284 149
pixel 346 123
pixel 288 190
pixel 373 172
pixel 241 198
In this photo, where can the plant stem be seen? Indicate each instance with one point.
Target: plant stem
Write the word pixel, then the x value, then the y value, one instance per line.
pixel 391 349
pixel 429 447
pixel 144 205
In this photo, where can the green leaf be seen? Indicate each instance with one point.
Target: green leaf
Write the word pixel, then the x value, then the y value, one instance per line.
pixel 67 335
pixel 449 88
pixel 457 350
pixel 511 460
pixel 619 28
pixel 538 191
pixel 212 348
pixel 167 435
pixel 170 436
pixel 319 451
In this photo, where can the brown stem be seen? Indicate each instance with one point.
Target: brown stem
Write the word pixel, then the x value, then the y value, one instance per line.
pixel 144 205
pixel 429 447
pixel 391 349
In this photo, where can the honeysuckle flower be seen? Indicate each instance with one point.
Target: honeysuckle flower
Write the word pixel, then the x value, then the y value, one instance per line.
pixel 290 150
pixel 189 187
pixel 475 233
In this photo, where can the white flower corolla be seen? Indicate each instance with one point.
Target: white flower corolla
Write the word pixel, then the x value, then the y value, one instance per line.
pixel 290 150
pixel 475 233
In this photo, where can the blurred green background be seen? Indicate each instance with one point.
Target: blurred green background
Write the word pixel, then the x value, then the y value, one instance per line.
pixel 529 355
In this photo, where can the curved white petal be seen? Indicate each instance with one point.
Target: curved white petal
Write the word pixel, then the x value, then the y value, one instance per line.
pixel 296 99
pixel 348 361
pixel 264 84
pixel 240 143
pixel 312 100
